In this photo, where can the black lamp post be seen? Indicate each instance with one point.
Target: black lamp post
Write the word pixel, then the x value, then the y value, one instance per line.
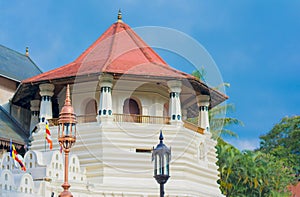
pixel 161 156
pixel 67 137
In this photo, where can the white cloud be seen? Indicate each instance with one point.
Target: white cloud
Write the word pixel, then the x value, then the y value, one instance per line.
pixel 244 144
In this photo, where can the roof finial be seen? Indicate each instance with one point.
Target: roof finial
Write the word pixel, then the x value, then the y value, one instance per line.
pixel 119 16
pixel 27 52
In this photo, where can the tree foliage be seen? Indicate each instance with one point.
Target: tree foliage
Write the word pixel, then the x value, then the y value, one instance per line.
pixel 219 123
pixel 283 142
pixel 264 172
pixel 251 173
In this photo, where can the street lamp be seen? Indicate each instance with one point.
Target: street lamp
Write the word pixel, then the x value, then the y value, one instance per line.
pixel 161 156
pixel 67 137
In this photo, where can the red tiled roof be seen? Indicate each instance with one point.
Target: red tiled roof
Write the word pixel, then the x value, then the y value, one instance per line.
pixel 119 50
pixel 295 190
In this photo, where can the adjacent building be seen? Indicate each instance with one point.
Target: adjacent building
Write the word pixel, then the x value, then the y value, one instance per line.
pixel 12 67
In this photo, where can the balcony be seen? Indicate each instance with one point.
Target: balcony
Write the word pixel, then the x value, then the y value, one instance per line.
pixel 134 118
pixel 119 118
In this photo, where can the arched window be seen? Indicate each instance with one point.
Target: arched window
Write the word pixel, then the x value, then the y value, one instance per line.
pixel 6 177
pixel 91 107
pixel 131 107
pixel 91 111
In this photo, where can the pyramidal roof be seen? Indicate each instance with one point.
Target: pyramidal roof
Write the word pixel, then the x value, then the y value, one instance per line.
pixel 13 64
pixel 118 50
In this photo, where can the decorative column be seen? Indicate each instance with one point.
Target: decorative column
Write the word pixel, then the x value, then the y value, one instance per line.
pixel 35 112
pixel 203 103
pixel 105 102
pixel 46 92
pixel 174 103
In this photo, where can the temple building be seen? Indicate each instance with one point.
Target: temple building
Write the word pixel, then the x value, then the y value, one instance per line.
pixel 123 94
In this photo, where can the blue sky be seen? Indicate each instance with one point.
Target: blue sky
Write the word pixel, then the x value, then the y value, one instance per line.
pixel 255 44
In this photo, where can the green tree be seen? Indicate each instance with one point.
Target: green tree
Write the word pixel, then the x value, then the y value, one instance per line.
pixel 251 173
pixel 228 155
pixel 199 74
pixel 219 123
pixel 283 142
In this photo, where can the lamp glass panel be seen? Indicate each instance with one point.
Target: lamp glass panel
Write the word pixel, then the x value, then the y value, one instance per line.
pixel 166 164
pixel 67 129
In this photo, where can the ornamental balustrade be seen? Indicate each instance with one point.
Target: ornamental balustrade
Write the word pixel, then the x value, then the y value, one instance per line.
pixel 132 118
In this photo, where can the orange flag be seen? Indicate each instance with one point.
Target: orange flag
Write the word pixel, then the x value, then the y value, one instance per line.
pixel 48 136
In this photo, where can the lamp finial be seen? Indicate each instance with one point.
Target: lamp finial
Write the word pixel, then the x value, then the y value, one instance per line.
pixel 161 137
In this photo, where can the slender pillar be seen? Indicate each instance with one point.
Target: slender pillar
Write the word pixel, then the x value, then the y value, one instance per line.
pixel 46 92
pixel 162 190
pixel 203 104
pixel 66 184
pixel 174 103
pixel 35 112
pixel 105 102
